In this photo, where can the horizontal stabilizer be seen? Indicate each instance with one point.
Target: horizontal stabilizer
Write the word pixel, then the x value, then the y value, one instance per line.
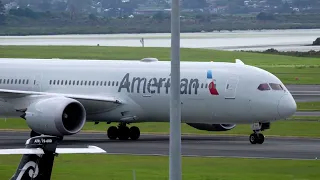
pixel 90 149
pixel 21 151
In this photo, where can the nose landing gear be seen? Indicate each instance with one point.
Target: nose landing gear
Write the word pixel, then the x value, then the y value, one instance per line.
pixel 123 132
pixel 256 137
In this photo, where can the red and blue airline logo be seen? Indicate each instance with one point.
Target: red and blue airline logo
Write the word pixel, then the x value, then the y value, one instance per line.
pixel 212 84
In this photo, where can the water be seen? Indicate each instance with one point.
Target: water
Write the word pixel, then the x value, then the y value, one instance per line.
pixel 236 40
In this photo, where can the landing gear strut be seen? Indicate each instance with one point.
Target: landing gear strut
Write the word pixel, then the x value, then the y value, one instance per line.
pixel 123 132
pixel 256 137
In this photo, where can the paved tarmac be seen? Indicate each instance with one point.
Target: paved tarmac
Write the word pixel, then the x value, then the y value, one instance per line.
pixel 305 93
pixel 221 146
pixel 303 87
pixel 307 113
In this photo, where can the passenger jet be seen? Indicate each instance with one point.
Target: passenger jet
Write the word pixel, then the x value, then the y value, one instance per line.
pixel 56 97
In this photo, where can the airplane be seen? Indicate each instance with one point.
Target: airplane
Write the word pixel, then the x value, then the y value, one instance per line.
pixel 39 154
pixel 57 96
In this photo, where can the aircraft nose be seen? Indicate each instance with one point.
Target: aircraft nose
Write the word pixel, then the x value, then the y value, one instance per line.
pixel 287 106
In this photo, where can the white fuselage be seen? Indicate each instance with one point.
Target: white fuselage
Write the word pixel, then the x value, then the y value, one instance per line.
pixel 145 89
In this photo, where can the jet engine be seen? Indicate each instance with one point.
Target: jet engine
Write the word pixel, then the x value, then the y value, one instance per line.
pixel 212 127
pixel 56 116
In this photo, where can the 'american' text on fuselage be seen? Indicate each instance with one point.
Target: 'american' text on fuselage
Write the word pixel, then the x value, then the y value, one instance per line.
pixel 154 85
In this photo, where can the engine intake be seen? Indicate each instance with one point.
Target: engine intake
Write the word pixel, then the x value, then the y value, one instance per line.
pixel 212 127
pixel 57 116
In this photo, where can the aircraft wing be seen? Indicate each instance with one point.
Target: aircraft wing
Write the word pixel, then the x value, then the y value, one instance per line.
pixel 92 103
pixel 88 150
pixel 5 93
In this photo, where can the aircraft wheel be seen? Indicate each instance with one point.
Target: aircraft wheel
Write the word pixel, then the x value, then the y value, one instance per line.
pixel 112 132
pixel 253 138
pixel 34 134
pixel 260 138
pixel 256 138
pixel 134 133
pixel 124 133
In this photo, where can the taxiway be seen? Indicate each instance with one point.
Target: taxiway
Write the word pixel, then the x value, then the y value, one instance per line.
pixel 196 145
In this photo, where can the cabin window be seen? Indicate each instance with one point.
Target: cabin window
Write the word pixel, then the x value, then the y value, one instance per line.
pixel 93 83
pixel 109 83
pixel 50 81
pixel 105 83
pixel 264 87
pixel 19 81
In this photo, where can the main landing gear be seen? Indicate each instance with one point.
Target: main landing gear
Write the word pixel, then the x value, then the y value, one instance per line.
pixel 256 137
pixel 123 132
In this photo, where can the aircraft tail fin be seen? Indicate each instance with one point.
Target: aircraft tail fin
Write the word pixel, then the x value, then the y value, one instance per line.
pixel 38 157
pixel 238 61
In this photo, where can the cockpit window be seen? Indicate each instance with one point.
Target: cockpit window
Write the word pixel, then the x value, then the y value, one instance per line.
pixel 264 87
pixel 276 86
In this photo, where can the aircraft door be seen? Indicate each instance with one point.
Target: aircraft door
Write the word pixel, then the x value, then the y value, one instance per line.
pixel 231 87
pixel 37 83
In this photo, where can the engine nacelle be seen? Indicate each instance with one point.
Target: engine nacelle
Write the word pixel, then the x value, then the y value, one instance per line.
pixel 57 116
pixel 212 127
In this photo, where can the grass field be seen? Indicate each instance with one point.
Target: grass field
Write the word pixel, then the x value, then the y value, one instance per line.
pixel 306 69
pixel 300 126
pixel 308 106
pixel 120 167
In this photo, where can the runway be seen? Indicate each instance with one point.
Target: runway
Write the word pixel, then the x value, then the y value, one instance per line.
pixel 304 93
pixel 213 146
pixel 307 113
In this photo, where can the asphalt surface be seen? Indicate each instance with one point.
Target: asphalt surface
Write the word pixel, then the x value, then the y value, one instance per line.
pixel 213 146
pixel 303 87
pixel 307 113
pixel 305 93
